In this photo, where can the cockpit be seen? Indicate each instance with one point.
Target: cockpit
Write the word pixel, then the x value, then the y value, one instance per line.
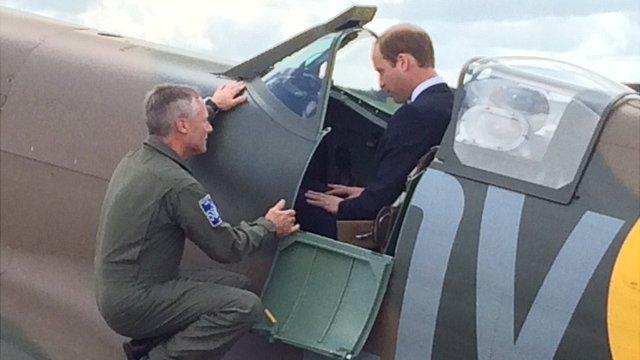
pixel 332 84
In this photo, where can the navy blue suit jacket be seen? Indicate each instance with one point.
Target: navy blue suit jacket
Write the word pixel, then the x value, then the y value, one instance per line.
pixel 410 133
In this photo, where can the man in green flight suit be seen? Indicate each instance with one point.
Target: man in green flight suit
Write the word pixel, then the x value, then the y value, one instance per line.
pixel 152 204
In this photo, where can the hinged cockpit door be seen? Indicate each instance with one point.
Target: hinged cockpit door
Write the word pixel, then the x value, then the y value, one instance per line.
pixel 324 294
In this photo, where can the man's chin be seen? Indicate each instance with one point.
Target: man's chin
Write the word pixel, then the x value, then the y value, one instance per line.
pixel 401 100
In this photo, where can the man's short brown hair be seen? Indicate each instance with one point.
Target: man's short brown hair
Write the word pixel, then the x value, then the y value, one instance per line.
pixel 408 39
pixel 165 103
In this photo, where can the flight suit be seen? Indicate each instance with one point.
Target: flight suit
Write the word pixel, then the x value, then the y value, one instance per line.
pixel 152 204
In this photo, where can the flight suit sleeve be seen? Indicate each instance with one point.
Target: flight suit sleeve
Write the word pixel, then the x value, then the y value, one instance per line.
pixel 197 214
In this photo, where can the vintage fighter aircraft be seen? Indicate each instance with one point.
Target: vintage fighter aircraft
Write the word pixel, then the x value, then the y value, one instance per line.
pixel 520 239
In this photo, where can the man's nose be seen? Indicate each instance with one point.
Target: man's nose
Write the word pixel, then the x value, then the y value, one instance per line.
pixel 209 128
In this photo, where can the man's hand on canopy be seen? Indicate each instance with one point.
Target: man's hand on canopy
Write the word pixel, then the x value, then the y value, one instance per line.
pixel 227 96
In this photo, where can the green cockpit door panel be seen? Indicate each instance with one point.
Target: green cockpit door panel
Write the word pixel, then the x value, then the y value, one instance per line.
pixel 324 294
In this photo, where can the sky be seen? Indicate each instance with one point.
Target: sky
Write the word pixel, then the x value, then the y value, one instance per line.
pixel 602 36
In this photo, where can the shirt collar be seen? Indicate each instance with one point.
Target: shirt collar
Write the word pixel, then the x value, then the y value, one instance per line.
pixel 155 142
pixel 424 86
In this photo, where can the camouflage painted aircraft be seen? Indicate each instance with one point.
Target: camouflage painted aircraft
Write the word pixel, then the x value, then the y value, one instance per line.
pixel 520 239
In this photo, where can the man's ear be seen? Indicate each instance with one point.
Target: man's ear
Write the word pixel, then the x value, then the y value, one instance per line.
pixel 403 61
pixel 182 125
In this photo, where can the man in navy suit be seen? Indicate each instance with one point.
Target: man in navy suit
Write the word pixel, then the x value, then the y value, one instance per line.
pixel 404 59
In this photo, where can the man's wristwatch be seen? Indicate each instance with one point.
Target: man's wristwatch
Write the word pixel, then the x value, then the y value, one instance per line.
pixel 212 109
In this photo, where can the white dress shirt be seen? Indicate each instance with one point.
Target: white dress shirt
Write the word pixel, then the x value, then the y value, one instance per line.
pixel 424 86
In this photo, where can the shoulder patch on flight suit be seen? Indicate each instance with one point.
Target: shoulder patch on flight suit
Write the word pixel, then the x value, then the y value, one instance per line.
pixel 210 210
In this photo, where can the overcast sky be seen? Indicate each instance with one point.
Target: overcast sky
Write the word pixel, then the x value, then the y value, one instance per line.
pixel 603 36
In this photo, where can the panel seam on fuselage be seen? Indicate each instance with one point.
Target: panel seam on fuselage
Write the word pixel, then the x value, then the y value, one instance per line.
pixel 55 165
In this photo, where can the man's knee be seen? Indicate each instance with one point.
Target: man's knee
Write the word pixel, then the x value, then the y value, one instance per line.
pixel 249 308
pixel 243 281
